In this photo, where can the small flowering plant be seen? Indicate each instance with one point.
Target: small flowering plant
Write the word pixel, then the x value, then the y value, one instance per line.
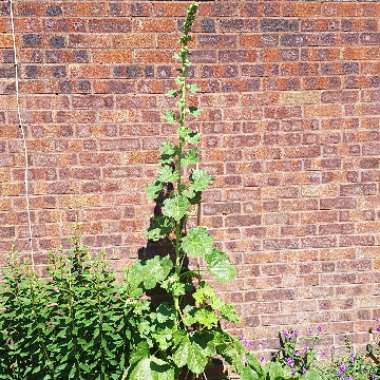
pixel 298 360
pixel 352 366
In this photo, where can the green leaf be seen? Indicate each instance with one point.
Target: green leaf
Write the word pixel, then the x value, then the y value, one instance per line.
pixel 247 373
pixel 167 174
pixel 200 180
pixel 275 371
pixel 184 132
pixel 141 371
pixel 156 270
pixel 193 138
pixel 181 355
pixel 153 190
pixel 176 207
pixel 255 364
pixel 197 243
pixel 165 313
pixel 139 352
pixel 160 227
pixel 312 374
pixel 190 158
pixel 195 111
pixel 169 117
pixel 167 149
pixel 228 312
pixel 206 318
pixel 220 266
pixel 161 370
pixel 197 359
pixel 193 88
pixel 172 93
pixel 152 369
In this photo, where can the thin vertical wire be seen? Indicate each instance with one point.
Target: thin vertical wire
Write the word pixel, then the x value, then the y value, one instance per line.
pixel 23 133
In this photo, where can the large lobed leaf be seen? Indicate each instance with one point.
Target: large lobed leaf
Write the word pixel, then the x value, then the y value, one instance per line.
pixel 176 207
pixel 197 243
pixel 219 266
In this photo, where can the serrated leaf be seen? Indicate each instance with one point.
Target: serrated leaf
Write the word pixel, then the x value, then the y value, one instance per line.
pixel 156 270
pixel 184 132
pixel 206 318
pixel 197 359
pixel 153 190
pixel 228 312
pixel 154 234
pixel 167 149
pixel 188 135
pixel 181 355
pixel 219 266
pixel 193 138
pixel 167 174
pixel 200 180
pixel 197 243
pixel 165 313
pixel 176 207
pixel 190 157
pixel 139 352
pixel 169 117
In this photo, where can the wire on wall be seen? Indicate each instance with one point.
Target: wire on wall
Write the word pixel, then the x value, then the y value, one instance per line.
pixel 23 133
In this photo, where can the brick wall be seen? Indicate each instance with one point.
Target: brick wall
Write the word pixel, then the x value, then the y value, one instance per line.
pixel 291 100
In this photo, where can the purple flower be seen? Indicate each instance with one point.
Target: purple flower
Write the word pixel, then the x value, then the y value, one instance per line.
pixel 341 369
pixel 248 344
pixel 290 362
pixel 378 329
pixel 319 329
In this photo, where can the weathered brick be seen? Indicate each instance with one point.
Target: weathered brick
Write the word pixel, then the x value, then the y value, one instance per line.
pixel 300 97
pixel 31 40
pixel 57 42
pixel 293 40
pixel 113 25
pixel 279 25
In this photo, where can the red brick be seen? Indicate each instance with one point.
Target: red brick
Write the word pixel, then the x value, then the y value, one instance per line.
pixel 113 25
pixel 301 9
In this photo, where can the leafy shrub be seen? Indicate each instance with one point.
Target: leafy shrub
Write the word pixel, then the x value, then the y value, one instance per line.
pixel 72 325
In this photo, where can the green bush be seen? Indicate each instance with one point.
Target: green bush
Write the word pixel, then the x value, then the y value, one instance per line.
pixel 72 325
